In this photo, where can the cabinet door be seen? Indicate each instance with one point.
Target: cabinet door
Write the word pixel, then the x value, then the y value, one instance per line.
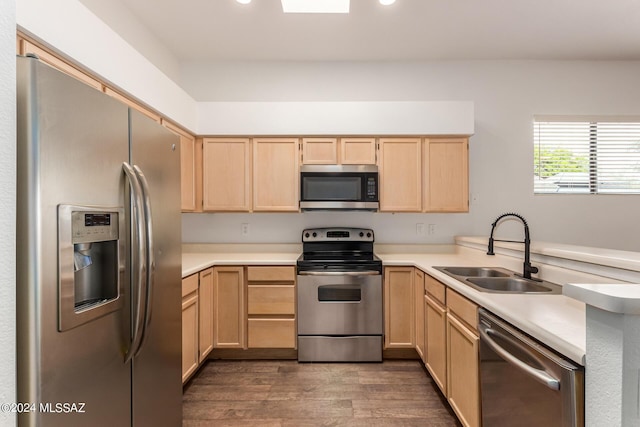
pixel 463 387
pixel 320 151
pixel 187 167
pixel 418 286
pixel 205 313
pixel 446 175
pixel 437 342
pixel 189 335
pixel 229 318
pixel 400 174
pixel 272 333
pixel 276 174
pixel 226 174
pixel 399 307
pixel 358 151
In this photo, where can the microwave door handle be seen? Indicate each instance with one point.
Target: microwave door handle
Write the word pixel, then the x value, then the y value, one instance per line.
pixel 140 251
pixel 150 256
pixel 542 377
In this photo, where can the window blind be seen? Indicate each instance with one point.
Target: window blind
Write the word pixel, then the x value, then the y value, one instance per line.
pixel 588 156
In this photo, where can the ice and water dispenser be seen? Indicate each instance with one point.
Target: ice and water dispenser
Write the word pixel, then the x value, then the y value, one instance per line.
pixel 91 263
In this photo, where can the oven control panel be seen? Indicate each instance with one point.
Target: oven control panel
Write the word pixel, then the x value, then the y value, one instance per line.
pixel 338 234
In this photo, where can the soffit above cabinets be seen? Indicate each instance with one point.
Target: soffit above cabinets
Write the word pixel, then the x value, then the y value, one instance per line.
pixel 336 118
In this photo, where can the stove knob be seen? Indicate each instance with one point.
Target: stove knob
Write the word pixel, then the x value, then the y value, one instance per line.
pixel 361 234
pixel 306 235
pixel 315 234
pixel 368 234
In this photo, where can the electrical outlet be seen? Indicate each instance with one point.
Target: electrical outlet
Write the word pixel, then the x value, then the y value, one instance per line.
pixel 431 229
pixel 245 229
pixel 420 229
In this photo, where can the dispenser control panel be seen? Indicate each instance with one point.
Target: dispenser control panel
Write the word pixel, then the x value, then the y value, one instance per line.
pixel 87 227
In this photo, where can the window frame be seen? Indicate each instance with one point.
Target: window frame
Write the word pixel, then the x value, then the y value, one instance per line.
pixel 595 183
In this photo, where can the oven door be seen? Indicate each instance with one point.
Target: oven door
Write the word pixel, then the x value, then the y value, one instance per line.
pixel 340 303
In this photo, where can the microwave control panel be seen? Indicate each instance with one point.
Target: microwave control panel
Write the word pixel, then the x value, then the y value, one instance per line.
pixel 372 190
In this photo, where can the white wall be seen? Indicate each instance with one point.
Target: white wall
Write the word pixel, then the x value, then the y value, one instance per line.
pixel 73 30
pixel 121 20
pixel 506 95
pixel 7 208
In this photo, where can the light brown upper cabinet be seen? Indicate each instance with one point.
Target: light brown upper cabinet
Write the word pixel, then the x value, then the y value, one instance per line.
pixel 226 174
pixel 400 167
pixel 187 167
pixel 358 151
pixel 320 151
pixel 47 57
pixel 334 151
pixel 276 174
pixel 446 175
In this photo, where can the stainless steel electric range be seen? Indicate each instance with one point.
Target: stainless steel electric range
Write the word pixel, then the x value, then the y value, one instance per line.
pixel 339 297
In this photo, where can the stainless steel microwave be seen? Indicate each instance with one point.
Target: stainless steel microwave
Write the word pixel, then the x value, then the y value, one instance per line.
pixel 339 187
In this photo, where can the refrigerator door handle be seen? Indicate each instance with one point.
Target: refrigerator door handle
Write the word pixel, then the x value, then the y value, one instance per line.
pixel 137 212
pixel 151 262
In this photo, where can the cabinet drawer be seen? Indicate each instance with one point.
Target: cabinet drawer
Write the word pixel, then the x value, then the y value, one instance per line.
pixel 272 333
pixel 271 274
pixel 464 309
pixel 271 299
pixel 189 284
pixel 435 288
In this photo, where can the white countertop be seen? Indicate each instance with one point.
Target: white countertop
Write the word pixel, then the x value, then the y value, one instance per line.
pixel 556 320
pixel 194 262
pixel 617 298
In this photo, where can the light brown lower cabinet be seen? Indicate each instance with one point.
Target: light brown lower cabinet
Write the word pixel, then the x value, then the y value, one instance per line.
pixel 229 307
pixel 436 333
pixel 197 320
pixel 189 326
pixel 399 308
pixel 271 312
pixel 418 286
pixel 463 383
pixel 205 314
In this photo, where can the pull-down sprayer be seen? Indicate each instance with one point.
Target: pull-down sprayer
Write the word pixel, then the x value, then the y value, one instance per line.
pixel 528 269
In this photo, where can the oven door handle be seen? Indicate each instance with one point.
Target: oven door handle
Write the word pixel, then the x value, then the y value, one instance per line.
pixel 537 374
pixel 340 273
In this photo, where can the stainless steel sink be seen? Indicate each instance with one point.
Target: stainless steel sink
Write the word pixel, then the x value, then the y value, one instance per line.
pixel 510 284
pixel 499 280
pixel 476 272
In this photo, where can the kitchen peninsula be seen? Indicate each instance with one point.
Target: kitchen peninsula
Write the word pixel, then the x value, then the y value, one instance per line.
pixel 558 321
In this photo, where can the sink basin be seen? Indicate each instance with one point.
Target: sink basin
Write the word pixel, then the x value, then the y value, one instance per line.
pixel 475 272
pixel 499 280
pixel 511 284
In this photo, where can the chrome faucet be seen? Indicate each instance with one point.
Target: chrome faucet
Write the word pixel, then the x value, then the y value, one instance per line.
pixel 528 269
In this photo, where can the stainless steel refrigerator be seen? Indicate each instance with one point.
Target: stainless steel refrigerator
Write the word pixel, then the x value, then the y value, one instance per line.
pixel 99 258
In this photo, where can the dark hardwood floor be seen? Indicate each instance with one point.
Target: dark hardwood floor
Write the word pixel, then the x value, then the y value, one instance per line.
pixel 287 393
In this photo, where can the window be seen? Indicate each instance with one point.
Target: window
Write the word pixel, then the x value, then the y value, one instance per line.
pixel 586 155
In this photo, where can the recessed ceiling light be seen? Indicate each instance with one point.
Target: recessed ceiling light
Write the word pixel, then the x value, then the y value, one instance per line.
pixel 386 2
pixel 244 1
pixel 315 6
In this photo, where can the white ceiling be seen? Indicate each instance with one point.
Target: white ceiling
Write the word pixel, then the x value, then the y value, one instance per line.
pixel 223 30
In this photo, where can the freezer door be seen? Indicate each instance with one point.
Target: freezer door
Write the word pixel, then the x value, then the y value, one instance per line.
pixel 157 378
pixel 72 141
